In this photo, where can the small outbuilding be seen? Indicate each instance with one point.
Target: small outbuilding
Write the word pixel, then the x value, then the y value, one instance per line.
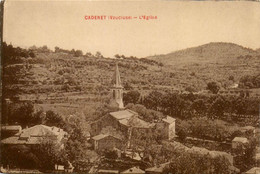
pixel 239 142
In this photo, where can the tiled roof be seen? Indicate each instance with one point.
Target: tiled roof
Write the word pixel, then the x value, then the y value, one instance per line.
pixel 254 170
pixel 169 120
pixel 240 139
pixel 34 135
pixel 158 168
pixel 11 128
pixel 100 136
pixel 139 123
pixel 124 114
pixel 133 170
pixel 107 171
pixel 136 122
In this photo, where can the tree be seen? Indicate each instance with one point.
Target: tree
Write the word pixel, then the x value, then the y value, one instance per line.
pixel 131 97
pixel 218 107
pixel 53 119
pixel 56 49
pixel 128 86
pixel 78 53
pixel 141 142
pixel 231 78
pixel 49 153
pixel 188 163
pixel 117 56
pixel 153 100
pixel 23 114
pixel 182 134
pixel 213 87
pixel 88 54
pixel 98 54
pixel 199 106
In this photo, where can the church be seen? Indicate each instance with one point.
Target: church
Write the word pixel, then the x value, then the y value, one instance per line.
pixel 127 121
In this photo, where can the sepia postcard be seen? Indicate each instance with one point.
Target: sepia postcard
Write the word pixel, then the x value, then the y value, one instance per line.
pixel 130 87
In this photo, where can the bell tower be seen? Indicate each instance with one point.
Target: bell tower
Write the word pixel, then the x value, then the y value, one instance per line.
pixel 117 89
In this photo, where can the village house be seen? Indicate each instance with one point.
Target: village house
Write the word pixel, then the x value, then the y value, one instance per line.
pixel 166 127
pixel 158 169
pixel 36 135
pixel 10 130
pixel 106 142
pixel 239 142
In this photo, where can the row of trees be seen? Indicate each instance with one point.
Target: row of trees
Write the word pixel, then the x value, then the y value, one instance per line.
pixel 78 53
pixel 13 55
pixel 156 152
pixel 250 81
pixel 193 163
pixel 188 105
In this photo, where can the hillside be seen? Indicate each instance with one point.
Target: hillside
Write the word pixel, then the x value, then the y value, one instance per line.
pixel 224 63
pixel 258 50
pixel 58 76
pixel 209 53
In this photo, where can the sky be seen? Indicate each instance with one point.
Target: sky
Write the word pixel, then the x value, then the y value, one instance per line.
pixel 179 25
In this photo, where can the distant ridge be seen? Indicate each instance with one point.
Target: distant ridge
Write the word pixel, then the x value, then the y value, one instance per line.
pixel 211 52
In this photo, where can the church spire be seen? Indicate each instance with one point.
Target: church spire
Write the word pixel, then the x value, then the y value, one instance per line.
pixel 117 77
pixel 118 89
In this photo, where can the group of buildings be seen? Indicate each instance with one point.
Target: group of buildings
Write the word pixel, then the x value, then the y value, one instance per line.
pixel 126 121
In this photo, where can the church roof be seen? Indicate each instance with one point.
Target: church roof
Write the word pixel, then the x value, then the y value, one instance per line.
pixel 136 122
pixel 123 114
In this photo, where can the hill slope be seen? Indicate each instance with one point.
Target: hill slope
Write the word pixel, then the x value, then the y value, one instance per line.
pixel 55 76
pixel 208 53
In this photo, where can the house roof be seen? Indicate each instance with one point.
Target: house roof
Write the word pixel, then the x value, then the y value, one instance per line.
pixel 11 128
pixel 135 122
pixel 240 139
pixel 123 114
pixel 34 135
pixel 134 170
pixel 107 171
pixel 158 168
pixel 101 136
pixel 254 170
pixel 257 156
pixel 169 120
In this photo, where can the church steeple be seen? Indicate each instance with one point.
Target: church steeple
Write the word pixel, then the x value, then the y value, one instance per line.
pixel 118 89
